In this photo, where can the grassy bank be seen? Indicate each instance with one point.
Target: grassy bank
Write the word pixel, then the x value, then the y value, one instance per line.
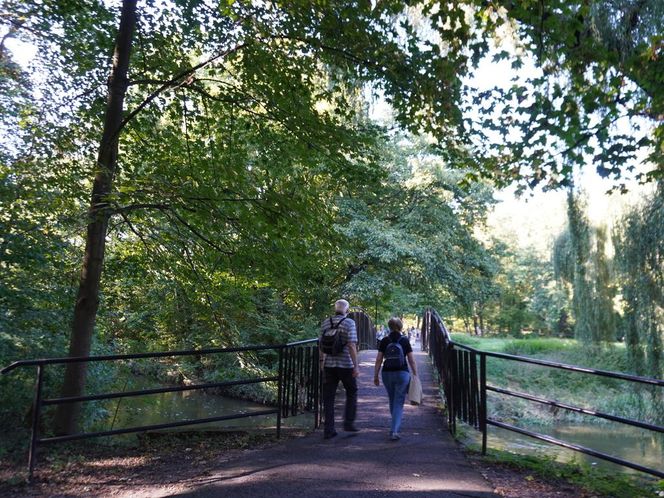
pixel 595 482
pixel 613 396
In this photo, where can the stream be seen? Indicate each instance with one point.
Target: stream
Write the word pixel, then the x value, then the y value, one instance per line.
pixel 186 405
pixel 629 443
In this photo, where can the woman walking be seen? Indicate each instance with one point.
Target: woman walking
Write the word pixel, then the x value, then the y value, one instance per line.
pixel 394 350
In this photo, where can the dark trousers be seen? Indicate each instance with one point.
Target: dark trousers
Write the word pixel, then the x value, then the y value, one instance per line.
pixel 330 383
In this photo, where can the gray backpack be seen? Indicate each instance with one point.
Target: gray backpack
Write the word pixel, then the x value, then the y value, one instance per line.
pixel 330 341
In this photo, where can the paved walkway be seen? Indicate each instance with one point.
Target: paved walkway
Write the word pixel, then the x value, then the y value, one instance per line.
pixel 425 462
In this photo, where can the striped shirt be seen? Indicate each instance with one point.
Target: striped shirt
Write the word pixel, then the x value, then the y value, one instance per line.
pixel 348 334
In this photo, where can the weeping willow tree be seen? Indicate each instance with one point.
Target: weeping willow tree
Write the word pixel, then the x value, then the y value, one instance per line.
pixel 605 316
pixel 639 245
pixel 581 264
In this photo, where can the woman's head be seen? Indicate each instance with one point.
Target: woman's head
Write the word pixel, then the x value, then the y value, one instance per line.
pixel 395 324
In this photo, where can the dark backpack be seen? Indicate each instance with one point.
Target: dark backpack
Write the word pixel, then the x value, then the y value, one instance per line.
pixel 394 357
pixel 330 341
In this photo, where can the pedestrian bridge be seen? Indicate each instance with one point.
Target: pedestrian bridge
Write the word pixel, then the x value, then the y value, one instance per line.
pixel 426 459
pixel 425 462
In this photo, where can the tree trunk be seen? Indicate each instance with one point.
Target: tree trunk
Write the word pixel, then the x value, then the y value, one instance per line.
pixel 476 325
pixel 87 301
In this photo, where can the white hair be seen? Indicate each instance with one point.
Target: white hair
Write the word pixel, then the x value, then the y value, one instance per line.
pixel 342 306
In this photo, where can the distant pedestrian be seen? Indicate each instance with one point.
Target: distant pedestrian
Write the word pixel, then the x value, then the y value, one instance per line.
pixel 380 333
pixel 339 362
pixel 395 349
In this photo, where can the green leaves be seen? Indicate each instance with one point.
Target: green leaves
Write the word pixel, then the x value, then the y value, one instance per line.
pixel 409 240
pixel 573 108
pixel 247 162
pixel 638 241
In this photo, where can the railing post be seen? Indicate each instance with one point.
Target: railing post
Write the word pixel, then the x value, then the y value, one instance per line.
pixel 474 392
pixel 483 400
pixel 279 390
pixel 453 389
pixel 465 386
pixel 317 392
pixel 36 410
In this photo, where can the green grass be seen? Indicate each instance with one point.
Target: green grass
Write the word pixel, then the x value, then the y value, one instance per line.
pixel 595 481
pixel 590 391
pixel 602 394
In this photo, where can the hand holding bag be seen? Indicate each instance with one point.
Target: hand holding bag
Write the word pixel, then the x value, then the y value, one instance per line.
pixel 415 390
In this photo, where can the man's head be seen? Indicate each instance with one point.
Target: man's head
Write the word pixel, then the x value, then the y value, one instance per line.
pixel 341 306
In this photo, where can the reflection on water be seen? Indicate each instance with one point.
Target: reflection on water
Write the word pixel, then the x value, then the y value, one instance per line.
pixel 188 405
pixel 629 443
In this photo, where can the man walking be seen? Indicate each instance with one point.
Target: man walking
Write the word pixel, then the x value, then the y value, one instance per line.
pixel 338 359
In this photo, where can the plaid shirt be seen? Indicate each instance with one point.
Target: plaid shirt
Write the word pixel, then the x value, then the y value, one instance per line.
pixel 348 334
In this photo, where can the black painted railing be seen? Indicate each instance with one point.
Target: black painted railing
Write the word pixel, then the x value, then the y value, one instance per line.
pixel 462 374
pixel 298 379
pixel 366 330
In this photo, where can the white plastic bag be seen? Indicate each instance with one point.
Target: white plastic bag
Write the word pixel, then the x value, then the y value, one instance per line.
pixel 415 390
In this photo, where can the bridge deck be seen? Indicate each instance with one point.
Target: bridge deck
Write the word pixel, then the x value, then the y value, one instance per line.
pixel 425 462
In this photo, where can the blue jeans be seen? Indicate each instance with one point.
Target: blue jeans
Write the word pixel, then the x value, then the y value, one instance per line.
pixel 396 385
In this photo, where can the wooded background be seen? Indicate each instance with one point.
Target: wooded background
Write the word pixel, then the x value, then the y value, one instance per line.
pixel 186 174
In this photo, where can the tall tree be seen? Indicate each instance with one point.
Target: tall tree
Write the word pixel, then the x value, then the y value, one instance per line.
pixel 639 242
pixel 99 213
pixel 582 283
pixel 412 236
pixel 605 288
pixel 580 259
pixel 264 66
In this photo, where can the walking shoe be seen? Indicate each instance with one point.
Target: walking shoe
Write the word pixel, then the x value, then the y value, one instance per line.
pixel 330 435
pixel 351 428
pixel 395 436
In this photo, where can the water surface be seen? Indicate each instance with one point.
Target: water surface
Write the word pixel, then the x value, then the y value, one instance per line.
pixel 629 443
pixel 188 405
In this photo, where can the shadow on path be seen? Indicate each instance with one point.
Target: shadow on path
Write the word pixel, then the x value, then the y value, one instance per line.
pixel 425 462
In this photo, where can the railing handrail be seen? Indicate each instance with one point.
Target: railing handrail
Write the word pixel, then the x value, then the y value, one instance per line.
pixel 438 319
pixel 157 390
pixel 300 343
pixel 564 366
pixel 157 354
pixel 291 369
pixel 466 391
pixel 577 409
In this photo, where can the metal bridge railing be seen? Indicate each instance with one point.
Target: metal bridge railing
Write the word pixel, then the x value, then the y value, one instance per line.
pixel 462 373
pixel 299 385
pixel 366 330
pixel 298 378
